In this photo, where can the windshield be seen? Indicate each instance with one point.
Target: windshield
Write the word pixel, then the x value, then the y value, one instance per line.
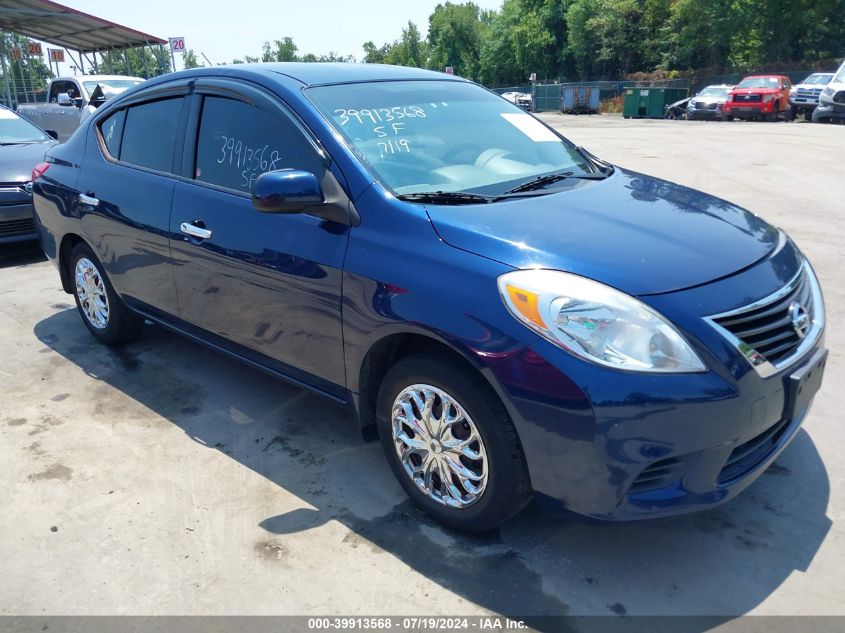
pixel 840 75
pixel 818 79
pixel 443 136
pixel 758 82
pixel 118 84
pixel 14 129
pixel 712 91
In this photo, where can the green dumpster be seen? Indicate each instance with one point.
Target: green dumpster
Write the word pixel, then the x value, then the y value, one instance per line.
pixel 649 103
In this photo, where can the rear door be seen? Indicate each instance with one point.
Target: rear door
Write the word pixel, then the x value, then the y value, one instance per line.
pixel 127 186
pixel 267 286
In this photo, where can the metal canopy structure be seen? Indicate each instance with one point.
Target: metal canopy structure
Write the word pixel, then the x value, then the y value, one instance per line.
pixel 71 29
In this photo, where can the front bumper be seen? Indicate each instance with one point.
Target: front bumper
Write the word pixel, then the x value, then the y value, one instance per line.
pixel 749 108
pixel 17 218
pixel 705 113
pixel 827 110
pixel 623 445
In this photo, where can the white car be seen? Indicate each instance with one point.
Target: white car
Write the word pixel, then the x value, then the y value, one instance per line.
pixel 832 99
pixel 520 99
pixel 804 97
pixel 71 100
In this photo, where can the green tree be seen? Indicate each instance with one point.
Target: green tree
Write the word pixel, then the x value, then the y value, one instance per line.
pixel 27 76
pixel 605 37
pixel 138 62
pixel 374 54
pixel 408 51
pixel 283 50
pixel 190 59
pixel 455 36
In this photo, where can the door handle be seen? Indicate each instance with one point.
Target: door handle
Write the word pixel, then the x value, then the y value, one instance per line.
pixel 195 231
pixel 89 200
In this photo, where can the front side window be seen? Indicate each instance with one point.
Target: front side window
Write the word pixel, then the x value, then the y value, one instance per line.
pixel 59 87
pixel 149 134
pixel 443 136
pixel 237 142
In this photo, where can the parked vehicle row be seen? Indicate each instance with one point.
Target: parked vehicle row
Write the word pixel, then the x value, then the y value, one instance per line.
pixel 820 98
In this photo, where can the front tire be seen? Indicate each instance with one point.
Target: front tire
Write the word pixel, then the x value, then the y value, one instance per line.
pixel 451 443
pixel 102 310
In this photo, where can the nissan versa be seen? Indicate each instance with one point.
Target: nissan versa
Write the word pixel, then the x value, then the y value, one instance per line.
pixel 513 315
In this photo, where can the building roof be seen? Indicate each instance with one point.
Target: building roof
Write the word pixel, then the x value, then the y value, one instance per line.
pixel 60 25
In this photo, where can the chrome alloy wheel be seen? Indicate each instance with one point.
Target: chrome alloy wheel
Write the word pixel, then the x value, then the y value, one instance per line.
pixel 91 290
pixel 439 446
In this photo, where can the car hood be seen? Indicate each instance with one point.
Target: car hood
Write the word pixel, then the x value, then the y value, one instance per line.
pixel 755 91
pixel 810 86
pixel 17 161
pixel 636 233
pixel 709 99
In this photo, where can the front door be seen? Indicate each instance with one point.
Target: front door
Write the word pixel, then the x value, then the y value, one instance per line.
pixel 267 286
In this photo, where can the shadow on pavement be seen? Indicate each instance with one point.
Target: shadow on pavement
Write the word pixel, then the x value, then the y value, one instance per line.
pixel 722 562
pixel 20 254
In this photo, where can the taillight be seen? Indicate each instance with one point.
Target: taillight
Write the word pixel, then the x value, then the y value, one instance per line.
pixel 39 170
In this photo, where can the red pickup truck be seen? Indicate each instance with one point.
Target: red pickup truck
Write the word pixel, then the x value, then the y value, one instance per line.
pixel 763 97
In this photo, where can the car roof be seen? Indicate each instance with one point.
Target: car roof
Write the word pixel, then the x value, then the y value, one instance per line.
pixel 320 73
pixel 766 75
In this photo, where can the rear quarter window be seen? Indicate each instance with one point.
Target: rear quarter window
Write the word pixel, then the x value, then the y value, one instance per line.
pixel 111 130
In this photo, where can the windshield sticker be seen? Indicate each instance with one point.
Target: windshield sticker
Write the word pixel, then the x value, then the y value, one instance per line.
pixel 531 127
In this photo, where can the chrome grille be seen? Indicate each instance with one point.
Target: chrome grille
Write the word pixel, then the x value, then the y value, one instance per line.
pixel 769 332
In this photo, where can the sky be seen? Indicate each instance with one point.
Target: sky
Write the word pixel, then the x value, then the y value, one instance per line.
pixel 228 30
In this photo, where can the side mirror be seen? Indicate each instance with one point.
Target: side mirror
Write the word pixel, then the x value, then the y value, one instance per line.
pixel 286 191
pixel 53 134
pixel 64 99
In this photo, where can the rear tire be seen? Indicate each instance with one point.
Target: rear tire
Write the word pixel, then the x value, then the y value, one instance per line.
pixel 101 309
pixel 495 484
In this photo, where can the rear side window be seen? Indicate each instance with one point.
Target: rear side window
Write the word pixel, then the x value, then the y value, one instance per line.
pixel 149 134
pixel 112 131
pixel 237 142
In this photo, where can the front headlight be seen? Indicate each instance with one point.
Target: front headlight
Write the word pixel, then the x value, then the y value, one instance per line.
pixel 828 92
pixel 767 98
pixel 596 322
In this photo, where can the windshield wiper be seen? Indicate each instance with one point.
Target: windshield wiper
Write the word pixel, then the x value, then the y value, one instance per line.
pixel 541 181
pixel 445 197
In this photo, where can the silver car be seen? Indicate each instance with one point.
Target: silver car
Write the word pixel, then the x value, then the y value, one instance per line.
pixel 709 103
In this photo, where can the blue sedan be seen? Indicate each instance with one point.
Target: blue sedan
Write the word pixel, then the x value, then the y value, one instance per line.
pixel 514 316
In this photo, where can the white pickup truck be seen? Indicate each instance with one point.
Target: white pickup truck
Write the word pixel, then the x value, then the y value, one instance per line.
pixel 70 100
